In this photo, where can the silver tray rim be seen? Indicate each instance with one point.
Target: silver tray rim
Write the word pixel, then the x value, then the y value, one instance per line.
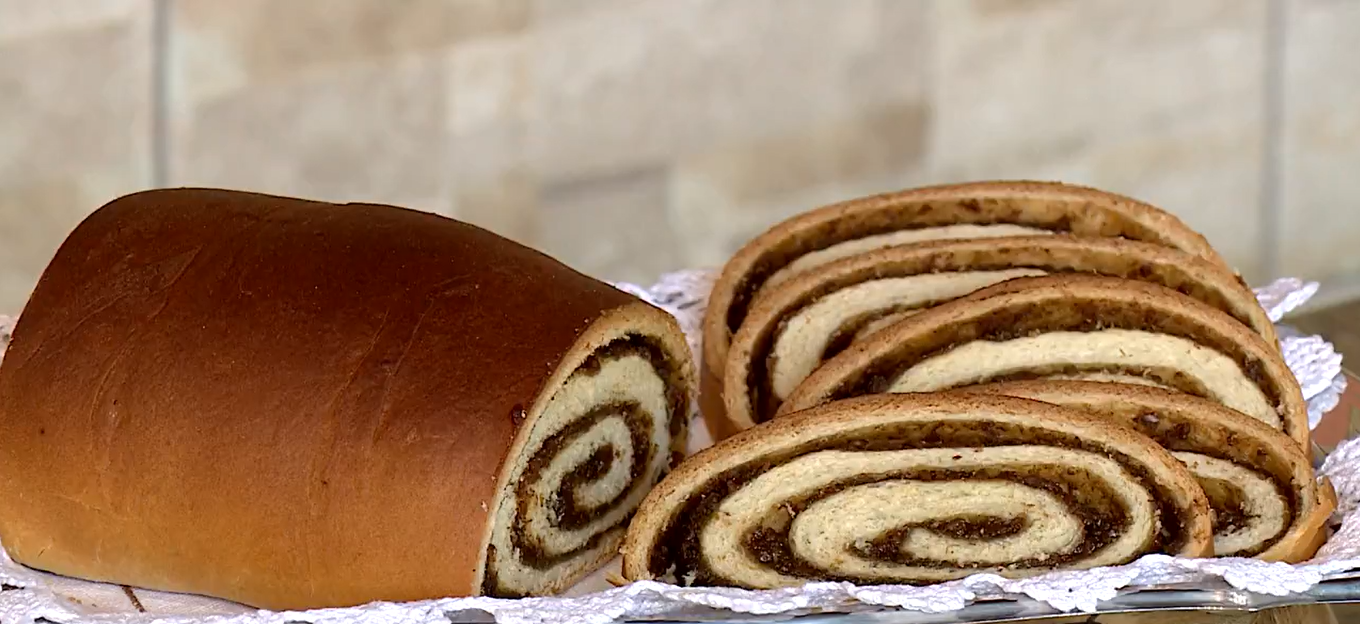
pixel 1215 596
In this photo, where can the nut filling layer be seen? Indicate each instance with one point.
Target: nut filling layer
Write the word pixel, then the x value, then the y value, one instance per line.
pixel 583 481
pixel 1016 327
pixel 918 503
pixel 1252 511
pixel 1164 377
pixel 568 506
pixel 939 216
pixel 1258 482
pixel 793 329
pixel 1078 492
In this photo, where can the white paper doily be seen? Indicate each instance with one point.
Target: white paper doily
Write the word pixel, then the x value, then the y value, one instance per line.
pixel 31 595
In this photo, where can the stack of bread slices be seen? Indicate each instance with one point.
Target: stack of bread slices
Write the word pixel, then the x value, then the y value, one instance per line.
pixel 1007 377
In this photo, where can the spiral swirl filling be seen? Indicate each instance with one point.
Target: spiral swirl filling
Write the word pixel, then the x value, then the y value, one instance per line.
pixel 1164 377
pixel 1251 511
pixel 836 315
pixel 1081 316
pixel 918 503
pixel 581 484
pixel 578 498
pixel 943 216
pixel 1247 483
pixel 1256 481
pixel 988 520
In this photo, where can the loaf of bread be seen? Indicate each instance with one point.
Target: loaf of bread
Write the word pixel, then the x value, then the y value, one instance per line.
pixel 1070 327
pixel 1266 500
pixel 793 328
pixel 916 489
pixel 958 211
pixel 294 404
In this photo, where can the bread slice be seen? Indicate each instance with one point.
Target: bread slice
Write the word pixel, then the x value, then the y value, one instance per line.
pixel 916 489
pixel 1261 486
pixel 1070 327
pixel 812 317
pixel 955 211
pixel 294 404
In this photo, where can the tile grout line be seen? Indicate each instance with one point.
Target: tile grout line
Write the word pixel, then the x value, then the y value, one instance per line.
pixel 1272 161
pixel 160 93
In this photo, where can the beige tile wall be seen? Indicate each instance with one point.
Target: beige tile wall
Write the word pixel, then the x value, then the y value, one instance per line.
pixel 630 137
pixel 75 123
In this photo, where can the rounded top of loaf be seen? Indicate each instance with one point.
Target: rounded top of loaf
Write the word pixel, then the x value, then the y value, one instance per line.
pixel 327 259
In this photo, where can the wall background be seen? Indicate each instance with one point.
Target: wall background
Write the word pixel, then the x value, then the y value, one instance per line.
pixel 630 137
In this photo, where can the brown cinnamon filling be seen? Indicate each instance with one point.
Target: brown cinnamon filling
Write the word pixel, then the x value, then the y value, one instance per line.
pixel 1188 434
pixel 1229 503
pixel 1102 515
pixel 758 382
pixel 844 335
pixel 565 511
pixel 975 527
pixel 1074 315
pixel 677 549
pixel 1179 431
pixel 1163 376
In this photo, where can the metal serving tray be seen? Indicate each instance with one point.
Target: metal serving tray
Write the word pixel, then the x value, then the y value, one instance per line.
pixel 1212 597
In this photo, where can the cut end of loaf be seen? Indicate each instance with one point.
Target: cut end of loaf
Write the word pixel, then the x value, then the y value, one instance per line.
pixel 610 425
pixel 916 489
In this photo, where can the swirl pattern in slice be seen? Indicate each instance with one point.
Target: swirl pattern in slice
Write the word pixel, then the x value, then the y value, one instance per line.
pixel 954 211
pixel 813 317
pixel 1070 327
pixel 1262 488
pixel 916 489
pixel 595 449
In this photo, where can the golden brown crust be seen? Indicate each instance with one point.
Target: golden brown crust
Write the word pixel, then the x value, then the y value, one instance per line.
pixel 1314 532
pixel 1181 422
pixel 1155 308
pixel 1082 211
pixel 711 406
pixel 276 401
pixel 1179 271
pixel 657 511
